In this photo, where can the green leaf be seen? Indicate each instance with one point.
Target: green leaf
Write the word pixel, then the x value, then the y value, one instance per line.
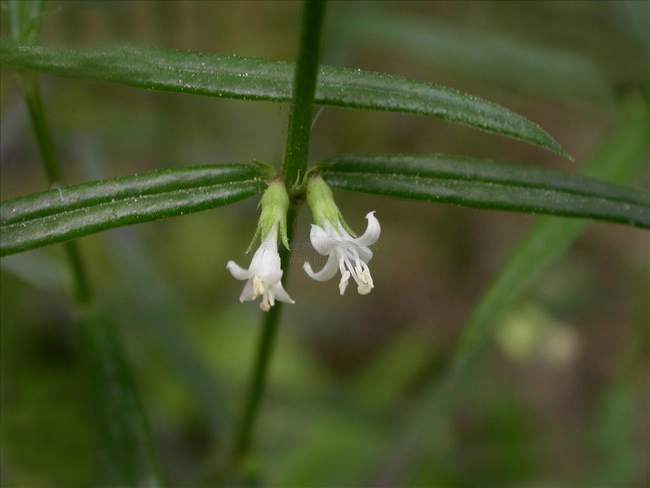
pixel 253 79
pixel 66 213
pixel 485 184
pixel 128 452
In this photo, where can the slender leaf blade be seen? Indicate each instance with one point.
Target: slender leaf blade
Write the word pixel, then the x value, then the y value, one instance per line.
pixel 62 214
pixel 485 184
pixel 253 79
pixel 63 199
pixel 128 451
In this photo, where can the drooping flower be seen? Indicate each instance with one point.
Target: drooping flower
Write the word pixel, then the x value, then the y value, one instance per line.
pixel 263 276
pixel 331 237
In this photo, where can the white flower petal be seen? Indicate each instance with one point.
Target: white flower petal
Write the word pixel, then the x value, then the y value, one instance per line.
pixel 281 294
pixel 271 275
pixel 247 293
pixel 350 255
pixel 365 254
pixel 263 275
pixel 237 271
pixel 328 271
pixel 321 240
pixel 372 232
pixel 266 259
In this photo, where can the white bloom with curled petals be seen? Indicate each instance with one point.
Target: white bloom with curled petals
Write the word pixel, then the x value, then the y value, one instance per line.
pixel 264 274
pixel 346 254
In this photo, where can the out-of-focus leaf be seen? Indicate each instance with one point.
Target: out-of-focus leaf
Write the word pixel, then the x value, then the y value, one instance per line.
pixel 333 450
pixel 633 18
pixel 128 451
pixel 253 79
pixel 485 184
pixel 161 314
pixel 617 449
pixel 36 269
pixel 66 213
pixel 389 375
pixel 491 57
pixel 622 155
pixel 25 19
pixel 613 440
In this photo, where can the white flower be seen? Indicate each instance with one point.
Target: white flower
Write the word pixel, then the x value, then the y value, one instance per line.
pixel 263 275
pixel 345 253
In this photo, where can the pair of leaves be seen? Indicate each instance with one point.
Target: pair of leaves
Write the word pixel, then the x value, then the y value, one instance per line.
pixel 65 213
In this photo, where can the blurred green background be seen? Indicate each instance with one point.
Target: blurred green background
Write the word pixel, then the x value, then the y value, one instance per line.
pixel 561 397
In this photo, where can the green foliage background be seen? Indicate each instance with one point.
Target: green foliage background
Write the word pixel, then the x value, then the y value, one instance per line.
pixel 358 393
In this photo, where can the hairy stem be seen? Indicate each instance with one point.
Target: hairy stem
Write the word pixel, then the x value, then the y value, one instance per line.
pixel 304 87
pixel 266 342
pixel 81 285
pixel 295 164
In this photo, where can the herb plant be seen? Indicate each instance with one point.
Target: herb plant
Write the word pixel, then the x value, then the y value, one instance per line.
pixel 62 214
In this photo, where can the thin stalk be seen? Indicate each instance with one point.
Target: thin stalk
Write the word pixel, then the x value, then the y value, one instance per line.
pixel 304 87
pixel 265 345
pixel 295 165
pixel 128 449
pixel 81 285
pixel 49 160
pixel 24 22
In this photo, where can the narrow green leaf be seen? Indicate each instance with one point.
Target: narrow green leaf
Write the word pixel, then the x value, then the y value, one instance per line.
pixel 252 79
pixel 64 199
pixel 66 213
pixel 485 184
pixel 128 453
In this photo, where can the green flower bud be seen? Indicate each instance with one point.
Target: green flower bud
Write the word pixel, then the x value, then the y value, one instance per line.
pixel 275 204
pixel 322 205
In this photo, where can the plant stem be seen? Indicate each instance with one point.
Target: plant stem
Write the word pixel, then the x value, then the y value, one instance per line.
pixel 266 342
pixel 304 87
pixel 295 164
pixel 82 289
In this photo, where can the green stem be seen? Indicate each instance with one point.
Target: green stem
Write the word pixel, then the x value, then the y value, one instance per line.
pixel 34 101
pixel 266 342
pixel 295 164
pixel 304 87
pixel 82 289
